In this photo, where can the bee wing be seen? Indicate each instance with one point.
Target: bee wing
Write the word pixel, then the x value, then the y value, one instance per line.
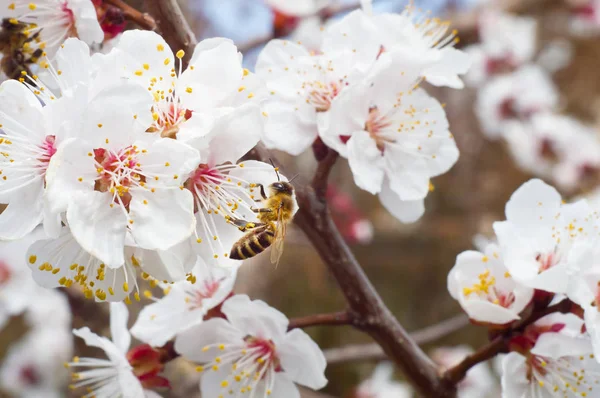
pixel 277 247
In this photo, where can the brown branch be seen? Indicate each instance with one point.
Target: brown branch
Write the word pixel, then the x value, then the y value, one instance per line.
pixel 366 307
pixel 374 352
pixel 335 319
pixel 320 180
pixel 142 19
pixel 500 343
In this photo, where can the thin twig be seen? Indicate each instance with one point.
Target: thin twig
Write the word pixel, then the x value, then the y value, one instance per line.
pixel 500 343
pixel 373 351
pixel 334 319
pixel 142 19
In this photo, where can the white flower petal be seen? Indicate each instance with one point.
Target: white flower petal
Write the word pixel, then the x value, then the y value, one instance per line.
pixel 119 315
pixel 366 162
pixel 97 226
pixel 405 211
pixel 302 360
pixel 255 317
pixel 161 219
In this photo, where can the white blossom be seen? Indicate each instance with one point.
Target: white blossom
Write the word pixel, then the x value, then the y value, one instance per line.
pixel 212 106
pixel 484 288
pixel 515 96
pixel 554 359
pixel 554 146
pixel 63 261
pixel 506 42
pixel 112 377
pixel 33 366
pixel 541 237
pixel 411 32
pixel 114 179
pixel 396 137
pixel 185 304
pixel 252 351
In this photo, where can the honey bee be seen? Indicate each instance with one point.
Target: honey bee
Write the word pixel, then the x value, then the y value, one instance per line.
pixel 277 211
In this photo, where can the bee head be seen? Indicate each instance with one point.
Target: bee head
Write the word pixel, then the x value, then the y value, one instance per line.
pixel 282 187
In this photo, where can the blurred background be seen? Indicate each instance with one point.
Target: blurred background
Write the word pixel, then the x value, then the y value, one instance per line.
pixel 409 264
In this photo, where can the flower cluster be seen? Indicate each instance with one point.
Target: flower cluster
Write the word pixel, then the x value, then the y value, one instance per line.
pixel 518 102
pixel 360 96
pixel 546 252
pixel 122 165
pixel 130 162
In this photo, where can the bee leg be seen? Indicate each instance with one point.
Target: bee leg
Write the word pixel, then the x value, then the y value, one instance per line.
pixel 261 210
pixel 244 225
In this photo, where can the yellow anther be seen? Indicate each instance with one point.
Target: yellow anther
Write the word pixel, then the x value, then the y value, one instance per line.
pixel 32 259
pixel 180 54
pixel 167 61
pixel 125 286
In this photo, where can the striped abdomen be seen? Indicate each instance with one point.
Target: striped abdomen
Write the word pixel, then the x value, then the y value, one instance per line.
pixel 254 242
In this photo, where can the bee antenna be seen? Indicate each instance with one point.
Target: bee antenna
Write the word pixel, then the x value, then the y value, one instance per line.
pixel 276 169
pixel 292 179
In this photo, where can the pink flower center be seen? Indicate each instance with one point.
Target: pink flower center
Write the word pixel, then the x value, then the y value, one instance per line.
pixel 5 273
pixel 69 20
pixel 48 148
pixel 321 94
pixel 376 125
pixel 197 296
pixel 30 375
pixel 546 261
pixel 168 119
pixel 494 66
pixel 118 172
pixel 507 110
pixel 266 352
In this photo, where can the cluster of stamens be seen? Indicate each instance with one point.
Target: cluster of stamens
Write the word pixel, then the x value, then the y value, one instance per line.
pixel 254 361
pixel 486 288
